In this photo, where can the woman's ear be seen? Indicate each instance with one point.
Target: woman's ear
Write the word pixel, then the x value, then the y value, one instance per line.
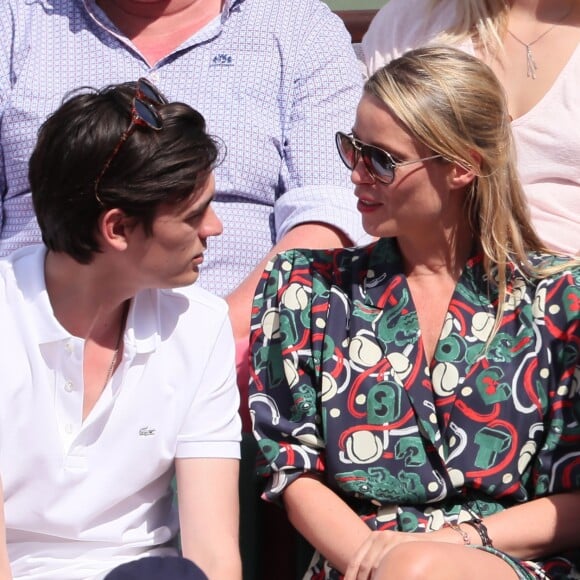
pixel 461 176
pixel 115 228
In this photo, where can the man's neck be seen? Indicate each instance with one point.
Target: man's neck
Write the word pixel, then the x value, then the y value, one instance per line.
pixel 83 297
pixel 160 18
pixel 157 28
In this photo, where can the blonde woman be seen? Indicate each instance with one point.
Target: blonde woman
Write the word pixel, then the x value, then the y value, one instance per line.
pixel 415 399
pixel 532 46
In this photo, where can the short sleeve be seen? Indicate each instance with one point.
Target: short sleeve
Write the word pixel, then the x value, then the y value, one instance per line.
pixel 212 427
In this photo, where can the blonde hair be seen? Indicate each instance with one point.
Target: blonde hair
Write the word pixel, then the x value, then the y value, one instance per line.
pixel 453 103
pixel 484 21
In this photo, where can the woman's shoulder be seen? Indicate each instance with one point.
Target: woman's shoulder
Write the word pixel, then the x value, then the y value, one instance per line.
pixel 555 266
pixel 556 284
pixel 335 260
pixel 340 267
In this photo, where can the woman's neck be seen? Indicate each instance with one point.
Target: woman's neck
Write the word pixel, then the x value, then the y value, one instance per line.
pixel 541 10
pixel 442 256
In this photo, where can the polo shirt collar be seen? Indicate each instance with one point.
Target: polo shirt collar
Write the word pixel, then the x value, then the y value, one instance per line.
pixel 144 322
pixel 28 267
pixel 143 319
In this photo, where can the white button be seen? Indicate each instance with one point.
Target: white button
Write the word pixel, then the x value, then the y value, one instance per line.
pixel 154 77
pixel 68 428
pixel 68 346
pixel 68 387
pixel 75 463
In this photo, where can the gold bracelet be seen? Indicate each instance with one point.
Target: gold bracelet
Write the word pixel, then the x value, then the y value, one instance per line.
pixel 461 532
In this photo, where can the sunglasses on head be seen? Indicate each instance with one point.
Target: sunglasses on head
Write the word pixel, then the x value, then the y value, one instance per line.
pixel 378 162
pixel 143 114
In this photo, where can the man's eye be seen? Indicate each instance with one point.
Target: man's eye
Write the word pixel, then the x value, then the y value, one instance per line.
pixel 194 217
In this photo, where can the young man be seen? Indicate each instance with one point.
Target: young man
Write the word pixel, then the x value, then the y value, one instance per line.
pixel 106 391
pixel 275 80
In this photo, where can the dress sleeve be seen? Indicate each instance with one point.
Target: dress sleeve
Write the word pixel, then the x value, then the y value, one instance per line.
pixel 284 383
pixel 324 87
pixel 557 464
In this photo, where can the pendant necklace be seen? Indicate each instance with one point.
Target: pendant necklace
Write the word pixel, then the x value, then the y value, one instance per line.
pixel 531 63
pixel 117 346
pixel 113 361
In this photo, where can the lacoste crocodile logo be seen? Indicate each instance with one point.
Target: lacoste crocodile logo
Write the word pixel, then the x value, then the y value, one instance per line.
pixel 147 432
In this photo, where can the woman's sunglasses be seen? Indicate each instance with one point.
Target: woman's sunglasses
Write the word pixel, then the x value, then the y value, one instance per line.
pixel 143 114
pixel 378 162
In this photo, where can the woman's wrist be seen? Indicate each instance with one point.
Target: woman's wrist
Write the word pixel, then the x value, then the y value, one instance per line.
pixel 481 529
pixel 467 533
pixel 457 533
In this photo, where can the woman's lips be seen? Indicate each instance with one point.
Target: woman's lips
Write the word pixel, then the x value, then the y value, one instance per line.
pixel 367 205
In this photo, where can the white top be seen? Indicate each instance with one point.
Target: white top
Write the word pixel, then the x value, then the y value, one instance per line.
pixel 83 497
pixel 547 137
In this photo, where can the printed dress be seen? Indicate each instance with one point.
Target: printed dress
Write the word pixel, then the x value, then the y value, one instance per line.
pixel 341 387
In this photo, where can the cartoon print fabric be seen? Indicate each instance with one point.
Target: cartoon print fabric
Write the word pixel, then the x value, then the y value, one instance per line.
pixel 341 387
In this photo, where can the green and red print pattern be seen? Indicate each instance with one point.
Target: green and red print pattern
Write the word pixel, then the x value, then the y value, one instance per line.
pixel 341 387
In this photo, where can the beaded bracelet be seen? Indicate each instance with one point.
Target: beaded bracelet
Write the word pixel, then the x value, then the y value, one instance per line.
pixel 463 533
pixel 481 529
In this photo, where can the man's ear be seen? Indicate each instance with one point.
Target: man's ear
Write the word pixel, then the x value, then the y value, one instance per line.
pixel 462 175
pixel 115 228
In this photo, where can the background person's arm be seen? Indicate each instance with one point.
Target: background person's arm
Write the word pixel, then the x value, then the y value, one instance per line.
pixel 209 515
pixel 315 206
pixel 309 235
pixel 7 42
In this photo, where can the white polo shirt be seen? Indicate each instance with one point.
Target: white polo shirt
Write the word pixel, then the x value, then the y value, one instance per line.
pixel 82 498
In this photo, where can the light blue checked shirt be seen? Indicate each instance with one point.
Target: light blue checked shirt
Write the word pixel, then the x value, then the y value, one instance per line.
pixel 273 78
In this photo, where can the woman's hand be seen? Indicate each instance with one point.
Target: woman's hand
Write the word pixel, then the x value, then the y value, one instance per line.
pixel 374 549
